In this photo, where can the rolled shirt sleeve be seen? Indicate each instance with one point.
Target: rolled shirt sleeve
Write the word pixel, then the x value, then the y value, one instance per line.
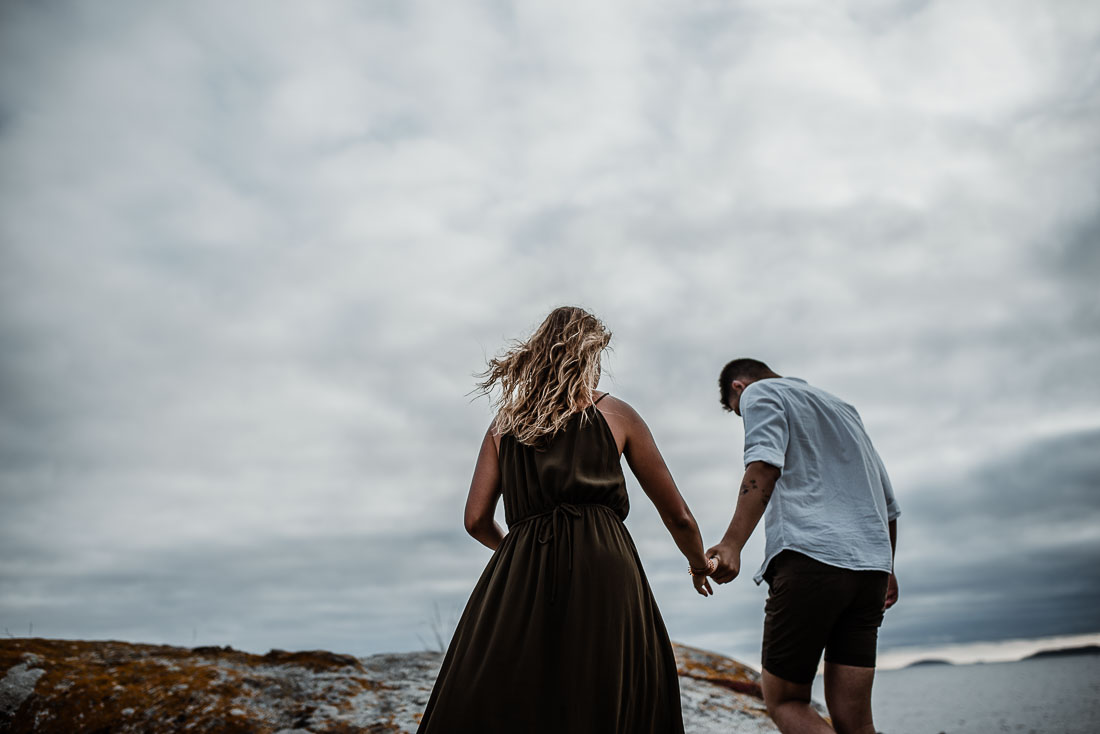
pixel 766 431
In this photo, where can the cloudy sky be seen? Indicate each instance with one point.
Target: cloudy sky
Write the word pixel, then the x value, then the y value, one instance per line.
pixel 251 255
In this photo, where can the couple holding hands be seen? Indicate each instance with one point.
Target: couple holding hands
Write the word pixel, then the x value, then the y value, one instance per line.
pixel 562 634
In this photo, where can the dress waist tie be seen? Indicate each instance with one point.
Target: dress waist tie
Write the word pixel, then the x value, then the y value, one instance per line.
pixel 557 524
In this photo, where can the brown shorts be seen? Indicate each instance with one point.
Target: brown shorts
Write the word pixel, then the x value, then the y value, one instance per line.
pixel 813 606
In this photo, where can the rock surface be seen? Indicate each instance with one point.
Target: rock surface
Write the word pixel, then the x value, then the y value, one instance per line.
pixel 80 686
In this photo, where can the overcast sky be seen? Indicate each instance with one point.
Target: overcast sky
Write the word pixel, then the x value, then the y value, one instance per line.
pixel 252 254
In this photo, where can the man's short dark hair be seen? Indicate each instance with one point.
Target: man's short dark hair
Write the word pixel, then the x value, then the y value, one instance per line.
pixel 740 369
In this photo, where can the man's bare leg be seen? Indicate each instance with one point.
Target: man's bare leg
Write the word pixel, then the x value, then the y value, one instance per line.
pixel 789 706
pixel 848 696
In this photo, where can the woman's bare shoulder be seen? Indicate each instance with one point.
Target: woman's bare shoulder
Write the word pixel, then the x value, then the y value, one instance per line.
pixel 619 408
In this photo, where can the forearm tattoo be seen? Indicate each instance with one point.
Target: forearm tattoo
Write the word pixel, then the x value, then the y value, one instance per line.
pixel 767 495
pixel 750 485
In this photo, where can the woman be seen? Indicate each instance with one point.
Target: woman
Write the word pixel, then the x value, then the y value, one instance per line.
pixel 561 633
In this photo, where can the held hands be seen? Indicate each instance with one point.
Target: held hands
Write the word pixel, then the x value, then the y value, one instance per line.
pixel 728 563
pixel 723 565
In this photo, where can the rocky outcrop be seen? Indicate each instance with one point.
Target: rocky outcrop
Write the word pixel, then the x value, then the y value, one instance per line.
pixel 68 686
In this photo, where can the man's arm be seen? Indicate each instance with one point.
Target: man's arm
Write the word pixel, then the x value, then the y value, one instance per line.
pixel 892 512
pixel 766 437
pixel 892 585
pixel 756 490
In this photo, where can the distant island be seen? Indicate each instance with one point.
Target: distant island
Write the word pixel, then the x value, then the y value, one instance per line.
pixel 1066 652
pixel 931 661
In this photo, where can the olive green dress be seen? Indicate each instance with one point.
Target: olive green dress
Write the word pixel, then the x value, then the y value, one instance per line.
pixel 561 634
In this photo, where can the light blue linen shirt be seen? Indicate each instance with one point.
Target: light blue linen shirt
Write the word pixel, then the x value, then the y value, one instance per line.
pixel 834 499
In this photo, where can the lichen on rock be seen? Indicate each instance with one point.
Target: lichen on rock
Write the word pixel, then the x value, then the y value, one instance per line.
pixel 66 686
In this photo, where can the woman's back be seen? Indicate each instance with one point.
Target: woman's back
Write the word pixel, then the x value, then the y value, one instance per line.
pixel 579 465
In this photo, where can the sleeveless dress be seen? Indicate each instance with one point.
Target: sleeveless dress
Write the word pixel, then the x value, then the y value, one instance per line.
pixel 561 634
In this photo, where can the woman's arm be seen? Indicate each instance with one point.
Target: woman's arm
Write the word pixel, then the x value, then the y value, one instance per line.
pixel 645 460
pixel 481 504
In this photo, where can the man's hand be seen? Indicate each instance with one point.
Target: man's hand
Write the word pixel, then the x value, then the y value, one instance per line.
pixel 729 563
pixel 891 592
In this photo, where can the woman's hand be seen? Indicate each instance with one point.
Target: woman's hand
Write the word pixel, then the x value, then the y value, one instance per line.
pixel 699 576
pixel 702 584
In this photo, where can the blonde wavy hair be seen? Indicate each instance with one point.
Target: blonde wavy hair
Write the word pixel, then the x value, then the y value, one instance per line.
pixel 544 380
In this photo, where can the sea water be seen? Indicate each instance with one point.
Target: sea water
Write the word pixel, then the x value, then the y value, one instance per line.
pixel 1043 696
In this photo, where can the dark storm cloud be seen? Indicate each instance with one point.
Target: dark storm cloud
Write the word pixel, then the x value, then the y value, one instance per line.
pixel 1008 550
pixel 251 256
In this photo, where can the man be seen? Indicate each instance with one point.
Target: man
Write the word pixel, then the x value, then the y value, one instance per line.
pixel 830 523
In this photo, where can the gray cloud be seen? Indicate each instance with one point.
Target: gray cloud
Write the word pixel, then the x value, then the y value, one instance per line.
pixel 251 256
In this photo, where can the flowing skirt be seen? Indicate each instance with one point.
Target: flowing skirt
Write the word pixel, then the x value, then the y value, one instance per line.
pixel 561 634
